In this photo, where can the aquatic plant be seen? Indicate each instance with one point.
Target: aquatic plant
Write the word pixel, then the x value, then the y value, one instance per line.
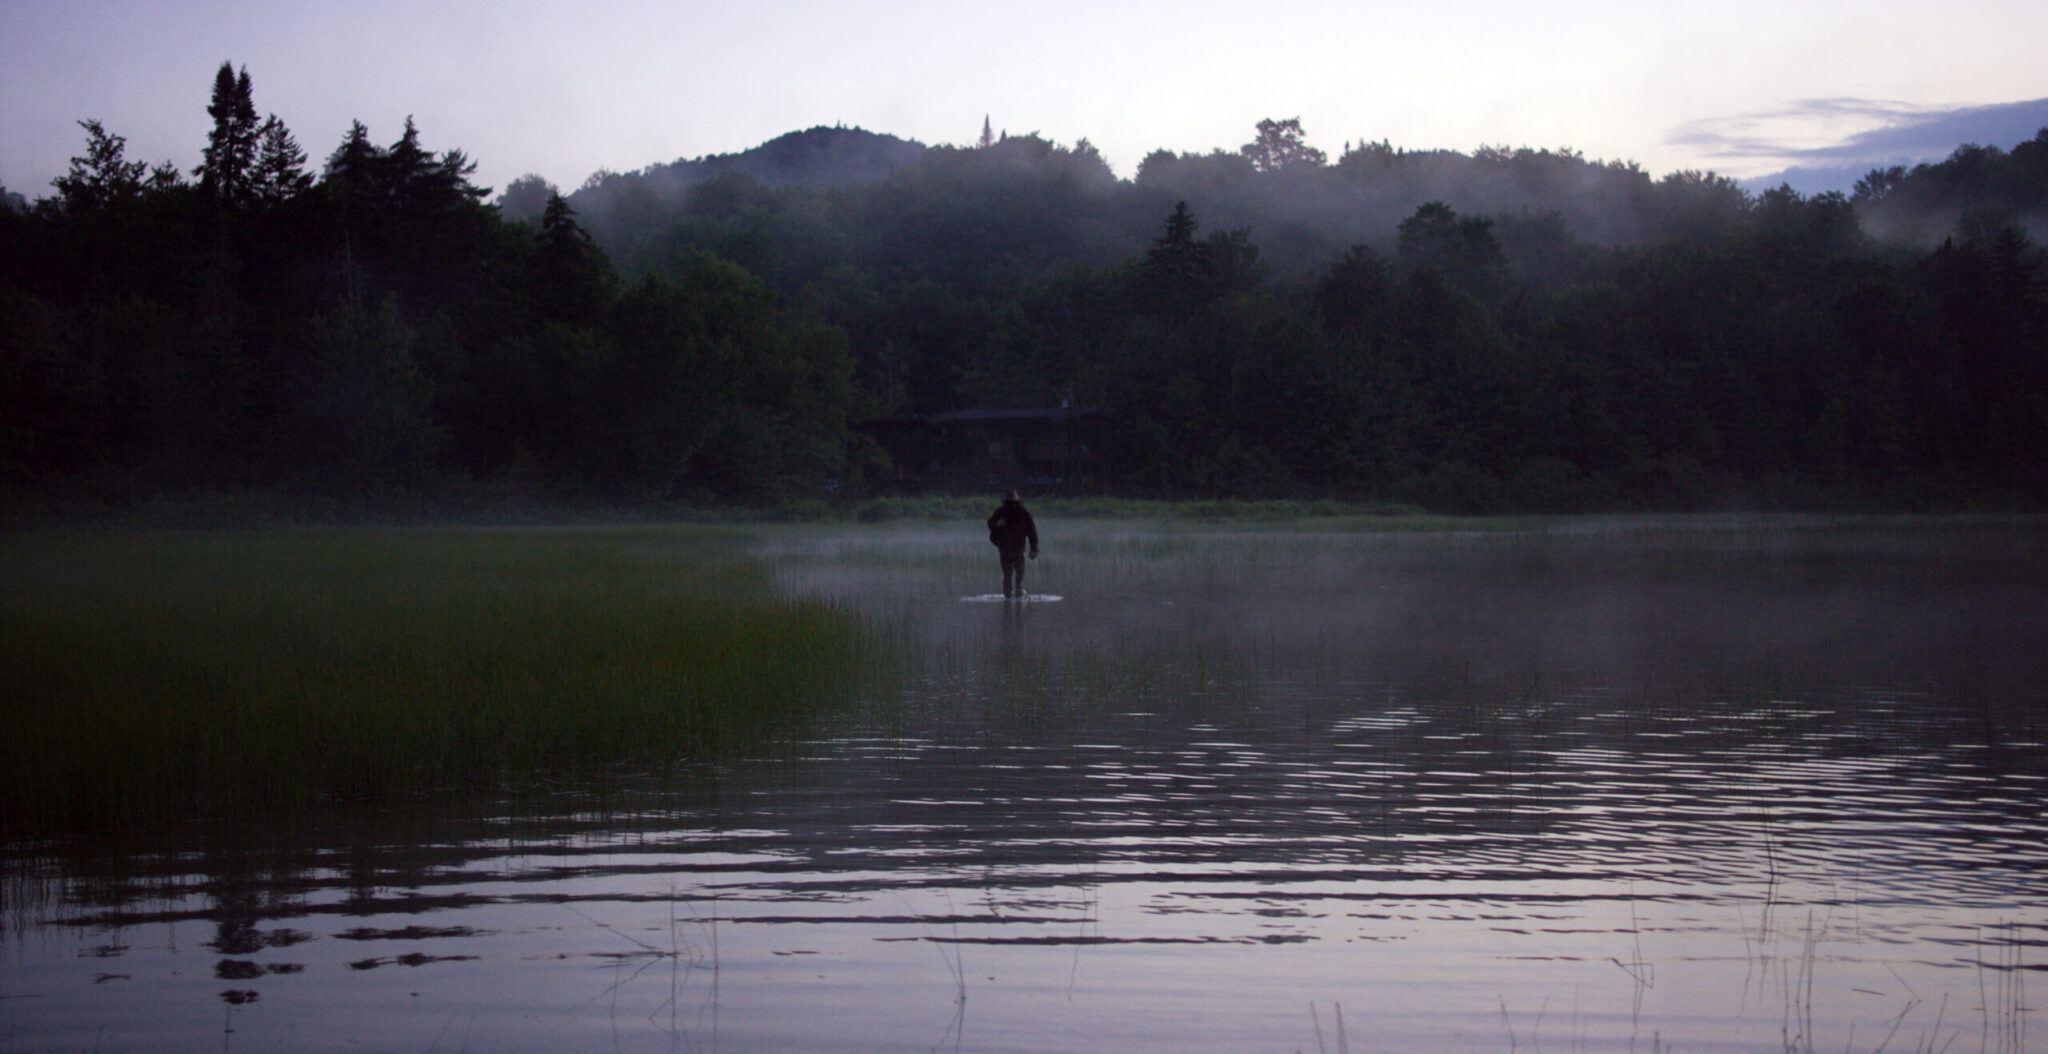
pixel 152 677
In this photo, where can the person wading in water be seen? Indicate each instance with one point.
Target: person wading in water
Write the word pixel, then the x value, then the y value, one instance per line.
pixel 1010 529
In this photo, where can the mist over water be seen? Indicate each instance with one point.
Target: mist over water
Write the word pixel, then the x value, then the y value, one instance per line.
pixel 1712 784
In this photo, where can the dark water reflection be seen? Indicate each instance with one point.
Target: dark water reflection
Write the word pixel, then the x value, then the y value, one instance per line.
pixel 1718 784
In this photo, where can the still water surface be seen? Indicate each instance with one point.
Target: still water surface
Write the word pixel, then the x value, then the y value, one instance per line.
pixel 1725 784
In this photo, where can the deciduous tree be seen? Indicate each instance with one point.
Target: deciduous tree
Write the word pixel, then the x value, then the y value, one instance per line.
pixel 102 176
pixel 1280 145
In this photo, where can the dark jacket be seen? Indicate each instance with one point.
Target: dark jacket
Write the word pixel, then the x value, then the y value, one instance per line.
pixel 1010 527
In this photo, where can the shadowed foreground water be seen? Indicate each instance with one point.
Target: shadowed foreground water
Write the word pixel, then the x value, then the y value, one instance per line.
pixel 1718 785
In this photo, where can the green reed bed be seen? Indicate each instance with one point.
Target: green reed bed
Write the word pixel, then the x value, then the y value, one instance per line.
pixel 155 677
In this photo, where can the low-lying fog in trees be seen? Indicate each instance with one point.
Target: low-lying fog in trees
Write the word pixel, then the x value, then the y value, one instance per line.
pixel 1510 329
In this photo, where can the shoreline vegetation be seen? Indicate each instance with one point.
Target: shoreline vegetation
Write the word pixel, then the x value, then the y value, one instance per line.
pixel 1512 332
pixel 264 507
pixel 259 508
pixel 149 678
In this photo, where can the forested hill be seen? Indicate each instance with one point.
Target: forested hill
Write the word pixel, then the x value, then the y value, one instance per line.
pixel 1508 329
pixel 817 158
pixel 1302 206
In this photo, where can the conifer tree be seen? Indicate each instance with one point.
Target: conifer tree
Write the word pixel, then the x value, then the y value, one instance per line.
pixel 406 164
pixel 230 160
pixel 355 160
pixel 280 170
pixel 574 277
pixel 1177 266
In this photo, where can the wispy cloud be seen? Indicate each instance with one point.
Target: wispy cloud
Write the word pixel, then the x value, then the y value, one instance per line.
pixel 1847 131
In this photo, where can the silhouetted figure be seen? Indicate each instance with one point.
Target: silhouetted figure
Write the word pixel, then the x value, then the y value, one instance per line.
pixel 1010 530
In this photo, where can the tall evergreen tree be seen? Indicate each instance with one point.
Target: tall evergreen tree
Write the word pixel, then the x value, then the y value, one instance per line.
pixel 574 278
pixel 1177 266
pixel 280 170
pixel 407 164
pixel 355 160
pixel 226 175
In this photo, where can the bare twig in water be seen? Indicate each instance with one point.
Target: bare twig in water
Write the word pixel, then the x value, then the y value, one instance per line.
pixel 644 946
pixel 1343 1046
pixel 955 965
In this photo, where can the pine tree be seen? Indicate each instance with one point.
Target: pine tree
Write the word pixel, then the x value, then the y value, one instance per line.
pixel 574 278
pixel 280 171
pixel 988 137
pixel 226 173
pixel 1176 263
pixel 355 160
pixel 406 164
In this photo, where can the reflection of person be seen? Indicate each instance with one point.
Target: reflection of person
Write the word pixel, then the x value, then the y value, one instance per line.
pixel 1010 529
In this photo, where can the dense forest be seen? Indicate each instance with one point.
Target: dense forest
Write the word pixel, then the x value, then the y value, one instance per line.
pixel 1512 329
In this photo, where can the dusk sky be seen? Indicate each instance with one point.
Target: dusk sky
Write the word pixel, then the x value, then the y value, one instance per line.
pixel 562 90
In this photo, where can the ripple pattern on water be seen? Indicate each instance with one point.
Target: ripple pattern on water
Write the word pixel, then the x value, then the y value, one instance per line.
pixel 1589 793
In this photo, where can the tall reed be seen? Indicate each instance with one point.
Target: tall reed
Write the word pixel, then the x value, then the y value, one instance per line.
pixel 154 677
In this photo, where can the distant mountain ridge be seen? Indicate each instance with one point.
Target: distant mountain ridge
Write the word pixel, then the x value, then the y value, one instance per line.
pixel 817 158
pixel 790 205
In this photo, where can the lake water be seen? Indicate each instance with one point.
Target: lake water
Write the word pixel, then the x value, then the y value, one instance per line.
pixel 1712 784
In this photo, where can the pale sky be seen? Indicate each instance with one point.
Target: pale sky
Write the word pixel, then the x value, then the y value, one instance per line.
pixel 563 89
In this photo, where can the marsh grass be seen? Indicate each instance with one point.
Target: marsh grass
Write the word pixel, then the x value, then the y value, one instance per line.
pixel 154 677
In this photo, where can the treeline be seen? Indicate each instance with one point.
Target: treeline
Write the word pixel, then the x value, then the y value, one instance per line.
pixel 1507 330
pixel 374 325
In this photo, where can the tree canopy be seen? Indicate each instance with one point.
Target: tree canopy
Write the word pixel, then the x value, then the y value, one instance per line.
pixel 1509 329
